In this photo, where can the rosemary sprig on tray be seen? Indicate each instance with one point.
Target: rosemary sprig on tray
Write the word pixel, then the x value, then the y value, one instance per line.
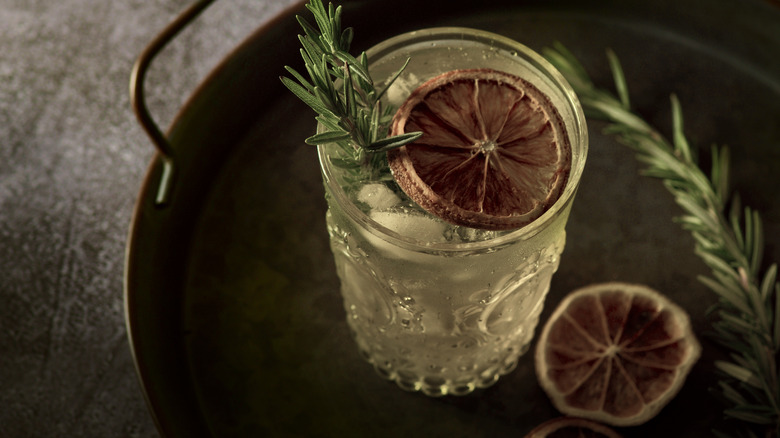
pixel 729 240
pixel 340 88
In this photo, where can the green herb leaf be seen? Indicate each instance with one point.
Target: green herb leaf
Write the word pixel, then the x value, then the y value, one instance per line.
pixel 328 137
pixel 620 79
pixel 394 142
pixel 306 96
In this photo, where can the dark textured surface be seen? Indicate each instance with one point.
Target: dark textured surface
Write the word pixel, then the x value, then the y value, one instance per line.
pixel 72 158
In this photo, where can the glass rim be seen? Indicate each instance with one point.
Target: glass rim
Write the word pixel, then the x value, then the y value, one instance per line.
pixel 523 233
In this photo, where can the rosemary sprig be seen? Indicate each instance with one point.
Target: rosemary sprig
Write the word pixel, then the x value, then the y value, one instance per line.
pixel 340 88
pixel 728 239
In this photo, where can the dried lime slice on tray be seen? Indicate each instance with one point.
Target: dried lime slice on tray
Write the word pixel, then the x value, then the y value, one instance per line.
pixel 572 427
pixel 494 153
pixel 615 353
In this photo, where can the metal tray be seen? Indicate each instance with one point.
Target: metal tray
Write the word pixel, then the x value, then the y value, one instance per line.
pixel 232 301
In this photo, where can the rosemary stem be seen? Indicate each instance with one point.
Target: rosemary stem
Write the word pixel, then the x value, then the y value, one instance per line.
pixel 730 245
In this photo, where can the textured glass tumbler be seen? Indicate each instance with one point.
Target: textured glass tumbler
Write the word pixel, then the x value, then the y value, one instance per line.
pixel 438 316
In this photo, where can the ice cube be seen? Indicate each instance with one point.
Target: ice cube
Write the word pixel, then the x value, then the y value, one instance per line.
pixel 467 234
pixel 402 88
pixel 378 196
pixel 417 226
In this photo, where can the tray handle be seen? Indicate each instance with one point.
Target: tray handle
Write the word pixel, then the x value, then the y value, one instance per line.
pixel 138 101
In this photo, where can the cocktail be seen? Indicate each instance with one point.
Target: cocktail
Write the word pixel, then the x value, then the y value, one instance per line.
pixel 435 306
pixel 446 252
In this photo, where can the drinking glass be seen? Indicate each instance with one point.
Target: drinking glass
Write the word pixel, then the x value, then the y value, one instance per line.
pixel 435 307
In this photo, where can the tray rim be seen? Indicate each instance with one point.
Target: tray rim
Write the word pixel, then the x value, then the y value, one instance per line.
pixel 152 393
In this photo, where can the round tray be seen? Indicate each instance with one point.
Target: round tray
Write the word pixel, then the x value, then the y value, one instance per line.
pixel 232 300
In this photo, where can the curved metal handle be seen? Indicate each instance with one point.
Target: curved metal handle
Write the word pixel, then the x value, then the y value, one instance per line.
pixel 138 101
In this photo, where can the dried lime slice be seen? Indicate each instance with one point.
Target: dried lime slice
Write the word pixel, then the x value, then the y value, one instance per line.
pixel 494 153
pixel 571 427
pixel 615 353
